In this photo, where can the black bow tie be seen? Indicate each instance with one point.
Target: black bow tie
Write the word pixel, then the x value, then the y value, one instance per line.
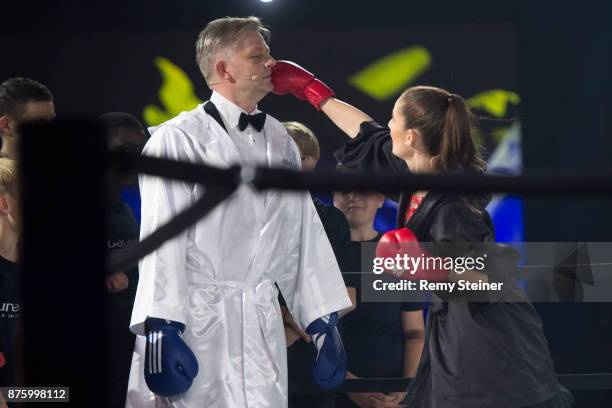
pixel 257 121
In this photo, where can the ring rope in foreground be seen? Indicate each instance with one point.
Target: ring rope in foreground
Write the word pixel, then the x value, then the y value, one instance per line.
pixel 532 185
pixel 268 178
pixel 574 382
pixel 134 252
pixel 225 181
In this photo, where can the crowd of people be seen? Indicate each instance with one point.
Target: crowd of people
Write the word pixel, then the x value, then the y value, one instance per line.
pixel 260 303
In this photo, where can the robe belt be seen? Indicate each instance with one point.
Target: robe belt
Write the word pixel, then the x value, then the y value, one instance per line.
pixel 259 296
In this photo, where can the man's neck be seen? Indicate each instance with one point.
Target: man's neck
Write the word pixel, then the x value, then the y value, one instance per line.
pixel 363 233
pixel 9 240
pixel 246 102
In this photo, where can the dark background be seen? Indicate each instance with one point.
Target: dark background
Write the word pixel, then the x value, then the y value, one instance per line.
pixel 560 54
pixel 97 56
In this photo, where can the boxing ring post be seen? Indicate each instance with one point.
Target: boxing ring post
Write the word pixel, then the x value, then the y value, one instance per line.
pixel 62 257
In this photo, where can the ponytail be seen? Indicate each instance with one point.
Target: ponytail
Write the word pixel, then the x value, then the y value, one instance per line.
pixel 457 149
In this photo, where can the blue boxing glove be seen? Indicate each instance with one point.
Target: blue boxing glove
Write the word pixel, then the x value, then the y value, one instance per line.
pixel 170 365
pixel 330 366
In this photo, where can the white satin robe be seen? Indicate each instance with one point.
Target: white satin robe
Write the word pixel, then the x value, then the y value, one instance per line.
pixel 218 277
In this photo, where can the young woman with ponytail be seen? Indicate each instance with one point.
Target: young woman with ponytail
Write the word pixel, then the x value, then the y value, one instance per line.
pixel 476 354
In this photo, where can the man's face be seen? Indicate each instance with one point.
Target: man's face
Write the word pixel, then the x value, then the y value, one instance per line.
pixel 252 58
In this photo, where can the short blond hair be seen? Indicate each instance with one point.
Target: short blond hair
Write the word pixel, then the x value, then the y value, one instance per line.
pixel 223 34
pixel 8 174
pixel 305 139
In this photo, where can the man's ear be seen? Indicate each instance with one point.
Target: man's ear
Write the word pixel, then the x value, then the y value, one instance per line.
pixel 3 205
pixel 6 125
pixel 222 72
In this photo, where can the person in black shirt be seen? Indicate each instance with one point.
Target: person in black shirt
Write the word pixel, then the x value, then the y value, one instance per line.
pixel 10 299
pixel 124 133
pixel 476 354
pixel 300 352
pixel 382 339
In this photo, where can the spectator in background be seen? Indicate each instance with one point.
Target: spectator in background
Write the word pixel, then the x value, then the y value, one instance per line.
pixel 333 220
pixel 10 299
pixel 382 340
pixel 300 353
pixel 22 100
pixel 124 133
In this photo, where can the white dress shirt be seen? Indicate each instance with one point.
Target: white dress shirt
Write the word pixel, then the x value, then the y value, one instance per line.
pixel 250 143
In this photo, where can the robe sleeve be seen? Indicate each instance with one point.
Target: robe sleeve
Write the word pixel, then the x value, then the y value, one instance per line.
pixel 455 222
pixel 162 286
pixel 312 284
pixel 371 150
pixel 458 231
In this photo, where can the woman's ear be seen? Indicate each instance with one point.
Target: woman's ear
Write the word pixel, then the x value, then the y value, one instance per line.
pixel 411 137
pixel 435 162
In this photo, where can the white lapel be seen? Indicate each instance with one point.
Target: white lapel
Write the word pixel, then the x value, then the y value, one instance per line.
pixel 217 141
pixel 280 148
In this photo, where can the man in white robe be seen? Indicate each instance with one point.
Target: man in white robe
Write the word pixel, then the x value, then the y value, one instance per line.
pixel 217 278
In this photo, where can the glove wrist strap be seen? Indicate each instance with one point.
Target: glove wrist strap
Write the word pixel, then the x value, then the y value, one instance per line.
pixel 317 92
pixel 155 323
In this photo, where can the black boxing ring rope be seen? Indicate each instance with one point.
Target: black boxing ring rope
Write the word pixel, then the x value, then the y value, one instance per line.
pixel 226 181
pixel 575 382
pixel 64 256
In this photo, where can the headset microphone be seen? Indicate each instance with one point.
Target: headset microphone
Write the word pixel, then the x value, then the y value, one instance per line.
pixel 252 78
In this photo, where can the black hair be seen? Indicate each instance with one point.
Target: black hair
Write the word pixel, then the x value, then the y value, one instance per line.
pixel 115 120
pixel 15 93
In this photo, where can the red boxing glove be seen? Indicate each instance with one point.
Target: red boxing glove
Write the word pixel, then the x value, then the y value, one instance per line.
pixel 288 77
pixel 410 261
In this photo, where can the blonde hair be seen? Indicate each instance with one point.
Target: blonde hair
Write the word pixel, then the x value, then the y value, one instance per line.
pixel 8 174
pixel 305 139
pixel 223 34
